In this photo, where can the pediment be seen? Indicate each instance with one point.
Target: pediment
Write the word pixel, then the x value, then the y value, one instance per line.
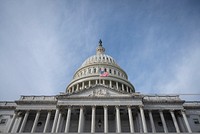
pixel 100 91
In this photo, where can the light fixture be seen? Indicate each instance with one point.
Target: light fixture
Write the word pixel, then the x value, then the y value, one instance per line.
pixel 99 123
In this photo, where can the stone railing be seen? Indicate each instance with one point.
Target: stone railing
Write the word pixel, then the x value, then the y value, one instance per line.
pixel 192 104
pixel 7 103
pixel 161 98
pixel 38 98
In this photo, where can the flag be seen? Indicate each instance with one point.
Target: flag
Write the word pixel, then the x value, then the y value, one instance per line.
pixel 103 72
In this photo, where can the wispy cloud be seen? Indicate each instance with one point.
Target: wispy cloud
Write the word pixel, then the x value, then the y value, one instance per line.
pixel 43 43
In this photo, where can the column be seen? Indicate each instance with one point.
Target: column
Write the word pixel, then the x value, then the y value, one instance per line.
pixel 96 81
pixel 68 120
pixel 152 122
pixel 130 119
pixel 18 123
pixel 14 128
pixel 143 119
pixel 117 85
pixel 55 121
pixel 163 121
pixel 118 119
pixel 186 121
pixel 103 82
pixel 83 85
pixel 93 120
pixel 127 89
pixel 123 87
pixel 105 119
pixel 35 122
pixel 58 123
pixel 24 122
pixel 174 121
pixel 140 122
pixel 110 84
pixel 12 122
pixel 89 83
pixel 77 89
pixel 47 122
pixel 80 124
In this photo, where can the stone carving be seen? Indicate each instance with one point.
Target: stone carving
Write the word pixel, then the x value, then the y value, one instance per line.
pixel 100 93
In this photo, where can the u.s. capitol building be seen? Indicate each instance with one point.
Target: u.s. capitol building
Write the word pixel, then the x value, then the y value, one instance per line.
pixel 100 99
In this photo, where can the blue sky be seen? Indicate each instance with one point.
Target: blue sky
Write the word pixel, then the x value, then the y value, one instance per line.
pixel 42 43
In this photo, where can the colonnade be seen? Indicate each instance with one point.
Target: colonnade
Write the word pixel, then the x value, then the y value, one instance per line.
pixel 95 70
pixel 58 115
pixel 112 84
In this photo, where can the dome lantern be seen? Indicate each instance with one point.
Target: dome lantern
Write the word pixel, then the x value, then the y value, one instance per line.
pixel 100 49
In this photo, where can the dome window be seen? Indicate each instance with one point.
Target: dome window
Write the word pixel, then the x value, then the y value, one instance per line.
pixel 89 71
pixel 95 70
pixel 84 71
pixel 114 72
pixel 110 71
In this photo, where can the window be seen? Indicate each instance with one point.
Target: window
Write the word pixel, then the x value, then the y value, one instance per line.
pixel 89 71
pixel 84 72
pixel 196 121
pixel 3 121
pixel 94 70
pixel 114 72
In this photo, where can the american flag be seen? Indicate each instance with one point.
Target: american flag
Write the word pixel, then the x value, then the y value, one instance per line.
pixel 103 72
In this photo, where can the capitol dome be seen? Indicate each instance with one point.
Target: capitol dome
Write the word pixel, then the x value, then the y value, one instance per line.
pixel 100 69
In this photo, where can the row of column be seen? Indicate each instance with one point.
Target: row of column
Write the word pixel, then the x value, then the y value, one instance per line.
pixel 164 122
pixel 96 71
pixel 24 121
pixel 79 86
pixel 58 115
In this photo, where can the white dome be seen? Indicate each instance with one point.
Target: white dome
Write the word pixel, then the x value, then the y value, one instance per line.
pixel 99 59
